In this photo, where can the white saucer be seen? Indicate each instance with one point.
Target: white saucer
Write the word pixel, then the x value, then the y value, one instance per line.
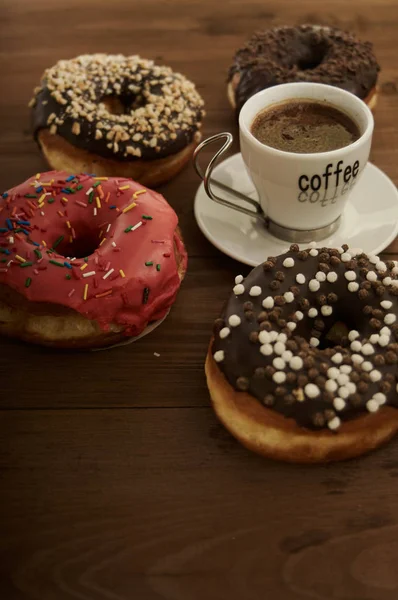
pixel 130 340
pixel 370 219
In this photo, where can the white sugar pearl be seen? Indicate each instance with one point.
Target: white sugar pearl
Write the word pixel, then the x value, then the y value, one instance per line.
pixel 238 279
pixel 313 252
pixel 333 372
pixel 274 335
pixel 312 245
pixel 299 315
pixel 266 349
pixel 219 355
pixel 342 379
pixel 353 335
pixel 326 310
pixel 367 365
pixel 268 302
pixel 234 321
pixel 344 392
pixel 387 281
pixel 380 398
pixel 314 342
pixel 386 304
pixel 279 363
pixel 385 331
pixel 225 331
pixel 282 337
pixel 264 337
pixel 291 325
pixel 350 275
pixel 296 363
pixel 384 340
pixel 314 285
pixel 340 250
pixel 339 403
pixel 300 278
pixel 372 405
pixel 373 258
pixel 394 270
pixel 353 286
pixel 279 348
pixel 367 349
pixel 334 423
pixel 375 375
pixel 371 276
pixel 374 338
pixel 288 263
pixel 330 386
pixel 288 296
pixel 351 387
pixel 287 355
pixel 255 290
pixel 312 313
pixel 345 369
pixel 311 390
pixel 239 289
pixel 357 358
pixel 320 276
pixel 331 276
pixel 346 257
pixel 279 377
pixel 356 346
pixel 381 266
pixel 390 318
pixel 337 358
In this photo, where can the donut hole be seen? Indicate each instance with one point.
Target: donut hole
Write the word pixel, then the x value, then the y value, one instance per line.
pixel 123 104
pixel 85 242
pixel 312 56
pixel 334 336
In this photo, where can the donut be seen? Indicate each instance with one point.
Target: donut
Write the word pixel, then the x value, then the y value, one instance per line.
pixel 305 53
pixel 115 115
pixel 86 261
pixel 302 366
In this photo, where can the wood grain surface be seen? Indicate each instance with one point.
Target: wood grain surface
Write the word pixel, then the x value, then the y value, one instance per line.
pixel 116 481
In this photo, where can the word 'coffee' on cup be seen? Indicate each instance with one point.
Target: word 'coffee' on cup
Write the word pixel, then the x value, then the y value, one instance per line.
pixel 315 182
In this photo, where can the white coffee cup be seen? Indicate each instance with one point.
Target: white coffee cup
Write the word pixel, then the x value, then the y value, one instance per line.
pixel 303 195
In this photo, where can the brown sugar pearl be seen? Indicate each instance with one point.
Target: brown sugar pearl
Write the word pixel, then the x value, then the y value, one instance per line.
pixel 393 347
pixel 324 257
pixel 323 367
pixel 303 303
pixel 389 377
pixel 355 400
pixel 249 315
pixel 274 285
pixel 268 265
pixel 367 310
pixel 363 272
pixel 365 285
pixel 362 262
pixel 289 399
pixel 390 265
pixel 262 316
pixel 350 265
pixel 355 377
pixel 302 255
pixel 380 289
pixel 294 248
pixel 365 377
pixel 321 299
pixel 308 362
pixel 379 360
pixel 273 316
pixel 324 267
pixel 248 305
pixel 394 291
pixel 329 414
pixel 218 325
pixel 259 372
pixel 272 259
pixel 363 294
pixel 362 387
pixel 269 371
pixel 269 400
pixel 295 290
pixel 280 391
pixel 280 276
pixel 279 300
pixel 253 336
pixel 265 326
pixel 291 378
pixel 282 323
pixel 292 345
pixel 335 261
pixel 391 358
pixel 385 387
pixel 377 314
pixel 313 373
pixel 345 247
pixel 332 298
pixel 319 325
pixel 302 380
pixel 328 397
pixel 333 252
pixel 320 381
pixel 318 419
pixel 242 383
pixel 375 324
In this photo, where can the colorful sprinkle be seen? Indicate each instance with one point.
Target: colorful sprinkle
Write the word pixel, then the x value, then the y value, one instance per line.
pixel 108 273
pixel 139 192
pixel 132 205
pixel 68 276
pixel 85 292
pixel 65 200
pixel 98 202
pixel 149 263
pixel 79 187
pixel 158 267
pixel 122 273
pixel 71 293
pixel 83 267
pixel 69 178
pixel 147 217
pixel 58 241
pixel 124 187
pixel 9 224
pixel 145 296
pixel 22 260
pixel 104 294
pixel 89 274
pixel 38 253
pixel 26 264
pixel 81 203
pixel 67 265
pixel 56 263
pixel 28 281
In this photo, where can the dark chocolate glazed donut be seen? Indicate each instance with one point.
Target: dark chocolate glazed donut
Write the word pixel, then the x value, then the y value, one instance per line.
pixel 118 107
pixel 305 53
pixel 313 335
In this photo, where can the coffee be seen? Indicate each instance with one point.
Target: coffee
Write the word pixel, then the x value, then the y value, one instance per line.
pixel 304 126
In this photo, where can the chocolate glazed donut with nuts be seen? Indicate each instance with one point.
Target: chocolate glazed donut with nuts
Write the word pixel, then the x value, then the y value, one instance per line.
pixel 310 53
pixel 117 116
pixel 303 363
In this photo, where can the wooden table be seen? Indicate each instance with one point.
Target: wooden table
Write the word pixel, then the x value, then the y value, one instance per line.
pixel 117 482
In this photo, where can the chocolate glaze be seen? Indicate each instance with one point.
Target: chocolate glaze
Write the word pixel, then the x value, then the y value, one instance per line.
pixel 304 53
pixel 246 368
pixel 149 83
